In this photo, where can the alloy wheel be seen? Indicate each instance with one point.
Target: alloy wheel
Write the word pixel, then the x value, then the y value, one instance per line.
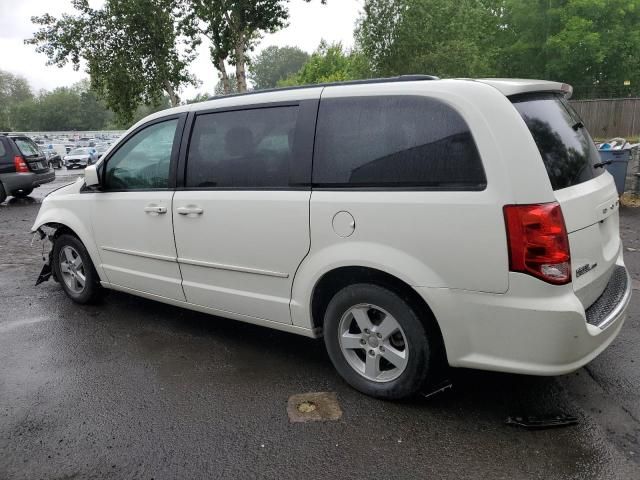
pixel 373 343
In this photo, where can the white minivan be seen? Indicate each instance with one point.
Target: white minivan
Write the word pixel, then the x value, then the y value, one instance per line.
pixel 413 222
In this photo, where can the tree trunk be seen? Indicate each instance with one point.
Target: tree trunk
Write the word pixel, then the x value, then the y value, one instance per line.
pixel 173 96
pixel 224 77
pixel 241 76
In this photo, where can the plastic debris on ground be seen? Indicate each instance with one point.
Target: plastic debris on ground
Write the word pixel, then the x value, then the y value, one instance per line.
pixel 539 423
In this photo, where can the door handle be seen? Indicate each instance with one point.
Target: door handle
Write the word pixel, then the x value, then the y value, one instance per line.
pixel 189 210
pixel 155 209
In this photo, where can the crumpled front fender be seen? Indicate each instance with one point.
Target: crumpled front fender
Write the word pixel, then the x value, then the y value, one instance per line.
pixel 69 208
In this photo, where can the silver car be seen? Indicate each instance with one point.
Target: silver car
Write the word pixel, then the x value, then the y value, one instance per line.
pixel 80 157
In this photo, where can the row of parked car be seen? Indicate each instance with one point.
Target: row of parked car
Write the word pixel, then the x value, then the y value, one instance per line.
pixel 27 163
pixel 71 156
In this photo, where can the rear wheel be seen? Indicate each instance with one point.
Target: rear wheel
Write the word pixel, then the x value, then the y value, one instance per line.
pixel 377 342
pixel 25 192
pixel 74 270
pixel 3 193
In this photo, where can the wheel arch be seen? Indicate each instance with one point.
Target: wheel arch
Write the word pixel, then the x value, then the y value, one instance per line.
pixel 71 224
pixel 336 279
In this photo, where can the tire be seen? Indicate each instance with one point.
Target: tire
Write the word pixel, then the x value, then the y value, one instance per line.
pixel 3 193
pixel 23 193
pixel 68 248
pixel 394 363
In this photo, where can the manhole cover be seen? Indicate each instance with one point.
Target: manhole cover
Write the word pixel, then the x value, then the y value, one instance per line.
pixel 314 407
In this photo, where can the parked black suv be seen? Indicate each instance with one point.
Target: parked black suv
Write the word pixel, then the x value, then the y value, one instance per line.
pixel 23 166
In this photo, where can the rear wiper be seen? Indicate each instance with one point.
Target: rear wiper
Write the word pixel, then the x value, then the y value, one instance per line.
pixel 602 164
pixel 578 125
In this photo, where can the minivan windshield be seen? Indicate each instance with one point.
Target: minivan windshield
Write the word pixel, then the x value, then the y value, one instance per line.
pixel 567 150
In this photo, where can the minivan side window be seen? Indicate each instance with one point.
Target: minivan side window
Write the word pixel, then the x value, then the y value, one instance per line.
pixel 242 148
pixel 394 141
pixel 143 161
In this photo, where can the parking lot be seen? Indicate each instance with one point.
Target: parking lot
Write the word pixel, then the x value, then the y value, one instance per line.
pixel 130 388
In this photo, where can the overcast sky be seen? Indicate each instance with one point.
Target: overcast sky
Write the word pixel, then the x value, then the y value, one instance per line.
pixel 308 24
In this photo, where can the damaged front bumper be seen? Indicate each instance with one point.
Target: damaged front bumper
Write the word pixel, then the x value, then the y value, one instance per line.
pixel 46 240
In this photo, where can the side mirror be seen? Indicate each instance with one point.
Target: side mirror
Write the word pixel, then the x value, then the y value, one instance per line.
pixel 91 176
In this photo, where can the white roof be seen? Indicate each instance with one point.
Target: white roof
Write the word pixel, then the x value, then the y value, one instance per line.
pixel 507 86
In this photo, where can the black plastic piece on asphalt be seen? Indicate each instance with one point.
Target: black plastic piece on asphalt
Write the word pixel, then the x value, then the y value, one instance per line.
pixel 539 423
pixel 45 274
pixel 438 388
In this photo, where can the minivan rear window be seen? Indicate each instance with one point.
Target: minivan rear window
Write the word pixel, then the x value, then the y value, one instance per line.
pixel 567 150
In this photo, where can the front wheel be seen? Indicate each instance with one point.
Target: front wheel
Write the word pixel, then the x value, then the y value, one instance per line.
pixel 74 270
pixel 377 342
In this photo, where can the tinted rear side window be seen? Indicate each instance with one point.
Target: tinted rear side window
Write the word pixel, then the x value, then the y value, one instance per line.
pixel 394 141
pixel 567 150
pixel 242 149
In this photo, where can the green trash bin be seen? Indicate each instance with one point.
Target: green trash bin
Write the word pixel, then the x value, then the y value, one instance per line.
pixel 618 166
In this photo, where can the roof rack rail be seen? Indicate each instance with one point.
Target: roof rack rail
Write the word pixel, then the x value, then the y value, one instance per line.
pixel 399 78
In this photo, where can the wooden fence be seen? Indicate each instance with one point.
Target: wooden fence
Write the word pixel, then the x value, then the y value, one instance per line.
pixel 607 118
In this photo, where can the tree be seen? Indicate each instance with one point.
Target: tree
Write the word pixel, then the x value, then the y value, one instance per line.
pixel 441 37
pixel 330 63
pixel 230 88
pixel 14 90
pixel 274 64
pixel 130 48
pixel 233 28
pixel 200 97
pixel 589 43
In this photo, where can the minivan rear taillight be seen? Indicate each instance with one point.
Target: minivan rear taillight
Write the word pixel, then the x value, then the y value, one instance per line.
pixel 538 242
pixel 20 164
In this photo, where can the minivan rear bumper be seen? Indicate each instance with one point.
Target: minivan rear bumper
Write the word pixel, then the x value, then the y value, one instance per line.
pixel 534 328
pixel 26 181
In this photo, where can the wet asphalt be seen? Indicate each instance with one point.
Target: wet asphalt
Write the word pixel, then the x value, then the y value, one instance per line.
pixel 130 388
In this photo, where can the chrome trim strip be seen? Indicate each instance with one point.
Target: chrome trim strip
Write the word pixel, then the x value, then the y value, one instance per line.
pixel 233 268
pixel 609 319
pixel 136 253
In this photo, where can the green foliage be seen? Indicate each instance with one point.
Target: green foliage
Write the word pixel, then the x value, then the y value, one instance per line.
pixel 591 44
pixel 330 63
pixel 131 49
pixel 274 64
pixel 14 90
pixel 232 86
pixel 588 43
pixel 65 108
pixel 234 27
pixel 441 37
pixel 200 97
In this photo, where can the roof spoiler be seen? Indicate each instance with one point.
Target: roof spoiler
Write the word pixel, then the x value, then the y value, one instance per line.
pixel 516 86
